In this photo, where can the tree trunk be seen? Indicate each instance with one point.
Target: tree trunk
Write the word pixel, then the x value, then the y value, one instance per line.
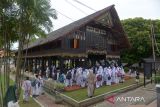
pixel 18 64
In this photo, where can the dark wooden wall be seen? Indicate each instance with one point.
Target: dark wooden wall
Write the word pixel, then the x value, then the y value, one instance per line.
pixel 87 40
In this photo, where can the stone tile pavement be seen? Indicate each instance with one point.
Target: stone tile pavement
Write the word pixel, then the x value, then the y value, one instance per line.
pixel 46 101
pixel 149 94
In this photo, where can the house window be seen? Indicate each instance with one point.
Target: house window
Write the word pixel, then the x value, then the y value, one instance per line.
pixel 91 29
pixel 74 43
pixel 103 32
pixel 96 30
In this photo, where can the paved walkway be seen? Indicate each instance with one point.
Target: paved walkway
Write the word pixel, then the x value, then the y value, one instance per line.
pixel 148 93
pixel 46 101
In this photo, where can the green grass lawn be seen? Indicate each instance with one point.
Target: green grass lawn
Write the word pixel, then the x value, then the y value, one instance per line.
pixel 31 103
pixel 81 94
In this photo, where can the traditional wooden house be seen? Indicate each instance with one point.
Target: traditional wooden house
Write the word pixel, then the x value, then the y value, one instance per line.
pixel 94 37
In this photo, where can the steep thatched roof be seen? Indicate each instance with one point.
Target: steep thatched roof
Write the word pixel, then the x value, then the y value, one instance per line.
pixel 69 28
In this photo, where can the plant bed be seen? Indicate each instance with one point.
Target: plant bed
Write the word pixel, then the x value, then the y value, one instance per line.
pixel 99 96
pixel 72 88
pixel 81 94
pixel 58 99
pixel 54 94
pixel 127 77
pixel 53 85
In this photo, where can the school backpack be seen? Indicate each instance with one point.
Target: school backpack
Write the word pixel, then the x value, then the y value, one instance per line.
pixel 33 83
pixel 61 78
pixel 109 78
pixel 69 75
pixel 55 76
pixel 99 77
pixel 119 74
pixel 84 79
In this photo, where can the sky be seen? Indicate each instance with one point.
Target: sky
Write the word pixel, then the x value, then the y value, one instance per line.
pixel 148 9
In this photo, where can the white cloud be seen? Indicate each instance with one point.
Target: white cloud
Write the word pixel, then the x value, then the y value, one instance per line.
pixel 125 8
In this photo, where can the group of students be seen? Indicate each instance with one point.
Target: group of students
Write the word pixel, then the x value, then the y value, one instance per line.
pixel 34 87
pixel 105 75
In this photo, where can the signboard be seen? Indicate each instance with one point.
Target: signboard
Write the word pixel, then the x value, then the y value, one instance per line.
pixel 147 69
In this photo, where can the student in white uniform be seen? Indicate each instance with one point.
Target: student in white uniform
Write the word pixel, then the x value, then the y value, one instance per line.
pixel 123 74
pixel 35 86
pixel 105 74
pixel 113 74
pixel 26 86
pixel 116 74
pixel 41 80
pixel 99 77
pixel 109 73
pixel 69 78
pixel 84 78
pixel 119 74
pixel 74 75
pixel 104 79
pixel 47 72
pixel 78 76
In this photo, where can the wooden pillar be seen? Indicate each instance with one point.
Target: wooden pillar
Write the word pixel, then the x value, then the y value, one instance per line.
pixel 49 65
pixel 52 60
pixel 58 62
pixel 74 62
pixel 42 67
pixel 69 66
pixel 85 62
pixel 32 65
pixel 81 62
pixel 61 64
pixel 38 61
pixel 40 64
pixel 77 62
pixel 71 63
pixel 45 61
pixel 35 65
pixel 27 65
pixel 49 61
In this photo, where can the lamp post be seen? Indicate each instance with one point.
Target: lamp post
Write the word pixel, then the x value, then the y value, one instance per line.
pixel 153 51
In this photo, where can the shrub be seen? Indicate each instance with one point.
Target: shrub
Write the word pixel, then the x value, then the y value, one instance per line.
pixel 126 69
pixel 157 79
pixel 53 85
pixel 58 86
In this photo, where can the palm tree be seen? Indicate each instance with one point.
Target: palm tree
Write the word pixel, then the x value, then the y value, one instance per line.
pixel 6 29
pixel 34 18
pixel 21 20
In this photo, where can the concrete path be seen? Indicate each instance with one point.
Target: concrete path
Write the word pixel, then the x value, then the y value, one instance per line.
pixel 148 93
pixel 46 101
